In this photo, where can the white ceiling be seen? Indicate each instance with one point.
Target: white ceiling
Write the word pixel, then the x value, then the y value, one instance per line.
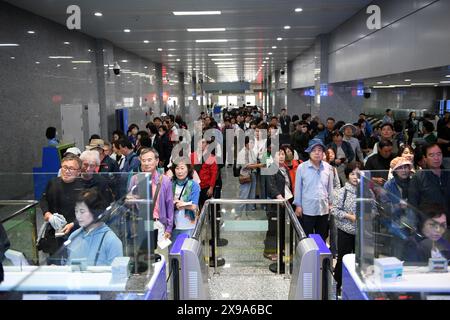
pixel 252 29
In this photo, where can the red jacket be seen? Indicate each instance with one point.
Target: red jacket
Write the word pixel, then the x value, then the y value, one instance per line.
pixel 208 171
pixel 293 172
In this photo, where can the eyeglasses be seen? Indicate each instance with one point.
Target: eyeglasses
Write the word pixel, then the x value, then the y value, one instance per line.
pixel 70 169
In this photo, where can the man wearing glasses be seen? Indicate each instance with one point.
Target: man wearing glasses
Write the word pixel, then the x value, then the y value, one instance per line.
pixel 60 196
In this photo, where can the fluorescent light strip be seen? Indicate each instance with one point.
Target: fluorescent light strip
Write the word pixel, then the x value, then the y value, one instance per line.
pixel 446 82
pixel 60 57
pixel 219 54
pixel 196 13
pixel 205 29
pixel 423 84
pixel 223 59
pixel 81 61
pixel 9 45
pixel 211 40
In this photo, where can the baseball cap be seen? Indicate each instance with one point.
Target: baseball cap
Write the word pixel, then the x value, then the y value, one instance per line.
pixel 73 150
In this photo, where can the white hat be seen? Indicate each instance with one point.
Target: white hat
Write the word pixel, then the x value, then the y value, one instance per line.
pixel 163 114
pixel 73 150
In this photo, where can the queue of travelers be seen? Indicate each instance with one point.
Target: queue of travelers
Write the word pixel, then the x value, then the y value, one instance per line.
pixel 317 165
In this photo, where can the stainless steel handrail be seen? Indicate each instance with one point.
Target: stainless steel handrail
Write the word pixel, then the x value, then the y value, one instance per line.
pixel 31 204
pixel 291 214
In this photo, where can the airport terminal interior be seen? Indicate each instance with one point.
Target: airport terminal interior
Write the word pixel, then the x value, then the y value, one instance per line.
pixel 225 150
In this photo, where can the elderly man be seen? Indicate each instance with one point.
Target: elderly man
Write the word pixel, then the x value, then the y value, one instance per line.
pixel 90 163
pixel 60 197
pixel 314 191
pixel 107 164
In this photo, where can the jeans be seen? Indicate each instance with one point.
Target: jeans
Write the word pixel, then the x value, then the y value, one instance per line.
pixel 247 191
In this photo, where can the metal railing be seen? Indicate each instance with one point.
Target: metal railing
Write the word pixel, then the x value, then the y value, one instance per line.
pixel 289 218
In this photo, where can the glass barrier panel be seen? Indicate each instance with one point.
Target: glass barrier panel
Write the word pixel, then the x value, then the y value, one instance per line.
pixel 91 237
pixel 405 217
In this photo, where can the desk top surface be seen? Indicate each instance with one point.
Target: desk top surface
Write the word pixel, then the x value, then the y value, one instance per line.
pixel 414 279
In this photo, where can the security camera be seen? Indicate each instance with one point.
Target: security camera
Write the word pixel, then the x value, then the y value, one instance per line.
pixel 282 72
pixel 116 68
pixel 367 92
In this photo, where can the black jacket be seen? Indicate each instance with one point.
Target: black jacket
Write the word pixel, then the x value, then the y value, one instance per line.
pixel 60 197
pixel 347 148
pixel 427 188
pixel 4 245
pixel 300 143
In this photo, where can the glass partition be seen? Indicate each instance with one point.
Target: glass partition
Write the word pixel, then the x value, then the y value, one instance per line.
pixel 92 237
pixel 406 218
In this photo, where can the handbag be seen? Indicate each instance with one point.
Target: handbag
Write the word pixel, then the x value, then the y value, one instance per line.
pixel 245 179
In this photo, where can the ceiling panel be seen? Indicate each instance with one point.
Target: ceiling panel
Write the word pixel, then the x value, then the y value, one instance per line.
pixel 252 28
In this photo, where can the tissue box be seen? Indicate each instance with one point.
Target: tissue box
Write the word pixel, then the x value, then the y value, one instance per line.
pixel 119 269
pixel 388 269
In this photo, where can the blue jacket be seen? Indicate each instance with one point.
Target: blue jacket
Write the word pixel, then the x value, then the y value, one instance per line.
pixel 85 245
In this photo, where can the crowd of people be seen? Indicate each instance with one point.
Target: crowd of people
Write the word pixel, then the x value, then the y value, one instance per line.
pixel 317 170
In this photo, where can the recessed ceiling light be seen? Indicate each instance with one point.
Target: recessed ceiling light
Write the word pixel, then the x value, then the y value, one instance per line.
pixel 171 49
pixel 447 76
pixel 159 49
pixel 31 32
pixel 407 80
pixel 287 27
pixel 274 47
pixel 126 30
pixel 124 61
pixel 298 9
pixel 98 14
pixel 75 68
pixel 170 55
pixel 66 42
pixel 206 29
pixel 195 13
pixel 145 67
pixel 58 65
pixel 178 60
pixel 267 58
pixel 37 62
pixel 270 53
pixel 279 39
pixel 211 40
pixel 380 82
pixel 146 41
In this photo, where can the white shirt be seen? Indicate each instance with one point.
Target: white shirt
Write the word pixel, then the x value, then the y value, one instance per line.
pixel 243 160
pixel 260 146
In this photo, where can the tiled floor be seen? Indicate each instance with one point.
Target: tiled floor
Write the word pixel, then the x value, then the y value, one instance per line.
pixel 246 273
